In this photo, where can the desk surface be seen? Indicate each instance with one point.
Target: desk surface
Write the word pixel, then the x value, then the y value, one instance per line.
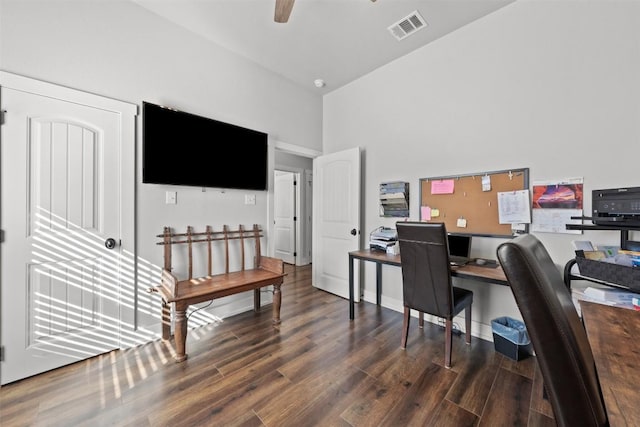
pixel 614 335
pixel 469 271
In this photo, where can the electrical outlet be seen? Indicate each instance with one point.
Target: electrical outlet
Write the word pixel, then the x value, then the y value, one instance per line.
pixel 249 199
pixel 171 198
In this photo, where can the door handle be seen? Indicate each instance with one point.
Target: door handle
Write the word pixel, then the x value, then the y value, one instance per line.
pixel 353 232
pixel 110 243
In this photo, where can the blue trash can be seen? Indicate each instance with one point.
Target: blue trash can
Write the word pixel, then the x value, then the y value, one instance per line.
pixel 510 338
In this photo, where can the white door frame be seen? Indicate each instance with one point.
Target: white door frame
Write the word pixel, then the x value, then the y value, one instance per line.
pixel 298 151
pixel 307 221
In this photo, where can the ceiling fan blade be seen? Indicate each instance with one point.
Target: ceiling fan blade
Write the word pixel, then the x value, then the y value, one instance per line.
pixel 283 10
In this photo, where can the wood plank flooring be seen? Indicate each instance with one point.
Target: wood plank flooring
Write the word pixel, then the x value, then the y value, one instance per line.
pixel 318 369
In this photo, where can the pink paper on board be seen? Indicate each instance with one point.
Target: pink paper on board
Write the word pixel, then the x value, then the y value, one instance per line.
pixel 425 213
pixel 444 186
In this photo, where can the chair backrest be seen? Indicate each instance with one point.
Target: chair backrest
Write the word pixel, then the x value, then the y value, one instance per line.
pixel 426 274
pixel 556 332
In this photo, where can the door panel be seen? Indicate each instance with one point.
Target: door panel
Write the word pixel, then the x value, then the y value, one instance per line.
pixel 284 216
pixel 336 226
pixel 60 201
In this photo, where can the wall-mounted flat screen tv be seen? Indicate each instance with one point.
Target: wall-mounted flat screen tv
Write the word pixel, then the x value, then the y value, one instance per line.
pixel 181 148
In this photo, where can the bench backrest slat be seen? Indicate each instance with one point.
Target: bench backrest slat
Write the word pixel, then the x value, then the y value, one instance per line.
pixel 209 253
pixel 241 228
pixel 166 239
pixel 256 237
pixel 226 248
pixel 189 243
pixel 209 236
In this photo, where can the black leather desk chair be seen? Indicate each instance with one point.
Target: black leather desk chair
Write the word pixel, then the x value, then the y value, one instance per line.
pixel 556 332
pixel 426 280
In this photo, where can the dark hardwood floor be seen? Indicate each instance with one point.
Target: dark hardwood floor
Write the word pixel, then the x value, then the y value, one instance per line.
pixel 318 369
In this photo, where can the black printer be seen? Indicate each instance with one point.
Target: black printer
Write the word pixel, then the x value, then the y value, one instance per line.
pixel 616 206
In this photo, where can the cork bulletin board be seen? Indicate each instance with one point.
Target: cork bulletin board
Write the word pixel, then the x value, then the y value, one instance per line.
pixel 468 204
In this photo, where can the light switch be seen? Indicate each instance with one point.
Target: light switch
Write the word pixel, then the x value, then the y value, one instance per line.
pixel 171 198
pixel 249 199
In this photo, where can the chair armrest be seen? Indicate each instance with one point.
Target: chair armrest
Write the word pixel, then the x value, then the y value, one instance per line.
pixel 169 283
pixel 275 265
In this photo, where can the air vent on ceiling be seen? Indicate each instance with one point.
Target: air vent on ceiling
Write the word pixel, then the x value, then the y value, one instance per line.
pixel 407 25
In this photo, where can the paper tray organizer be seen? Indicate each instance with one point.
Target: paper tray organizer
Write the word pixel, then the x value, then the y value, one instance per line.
pixel 622 275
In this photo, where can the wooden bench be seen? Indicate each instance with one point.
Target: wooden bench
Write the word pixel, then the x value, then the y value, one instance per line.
pixel 266 271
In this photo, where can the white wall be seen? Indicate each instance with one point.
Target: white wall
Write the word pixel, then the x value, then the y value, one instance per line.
pixel 118 49
pixel 549 85
pixel 286 161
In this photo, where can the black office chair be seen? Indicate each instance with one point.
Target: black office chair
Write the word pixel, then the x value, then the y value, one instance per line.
pixel 556 332
pixel 426 280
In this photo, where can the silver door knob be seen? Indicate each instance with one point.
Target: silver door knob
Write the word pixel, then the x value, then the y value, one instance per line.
pixel 110 243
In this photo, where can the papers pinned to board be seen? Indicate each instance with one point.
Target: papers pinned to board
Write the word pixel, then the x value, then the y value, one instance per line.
pixel 514 207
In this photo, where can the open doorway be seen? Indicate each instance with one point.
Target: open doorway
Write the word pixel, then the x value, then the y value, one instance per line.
pixel 292 208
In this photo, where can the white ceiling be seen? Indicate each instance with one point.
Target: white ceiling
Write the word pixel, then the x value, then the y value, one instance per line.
pixel 334 40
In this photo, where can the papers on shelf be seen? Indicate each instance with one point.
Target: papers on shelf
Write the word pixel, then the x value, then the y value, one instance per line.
pixel 394 199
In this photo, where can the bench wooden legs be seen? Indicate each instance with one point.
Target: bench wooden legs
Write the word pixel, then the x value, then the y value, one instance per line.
pixel 181 320
pixel 181 332
pixel 256 300
pixel 166 321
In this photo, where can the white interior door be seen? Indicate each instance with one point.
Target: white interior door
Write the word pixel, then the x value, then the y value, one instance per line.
pixel 285 216
pixel 60 203
pixel 336 220
pixel 307 244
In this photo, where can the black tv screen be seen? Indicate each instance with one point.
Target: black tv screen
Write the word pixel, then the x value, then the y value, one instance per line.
pixel 180 148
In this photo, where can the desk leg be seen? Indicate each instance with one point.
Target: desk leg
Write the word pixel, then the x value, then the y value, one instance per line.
pixel 351 296
pixel 351 290
pixel 378 283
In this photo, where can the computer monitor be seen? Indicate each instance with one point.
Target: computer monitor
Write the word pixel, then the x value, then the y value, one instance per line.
pixel 459 247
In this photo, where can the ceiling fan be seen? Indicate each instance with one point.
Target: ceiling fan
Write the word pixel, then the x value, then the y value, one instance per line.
pixel 283 10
